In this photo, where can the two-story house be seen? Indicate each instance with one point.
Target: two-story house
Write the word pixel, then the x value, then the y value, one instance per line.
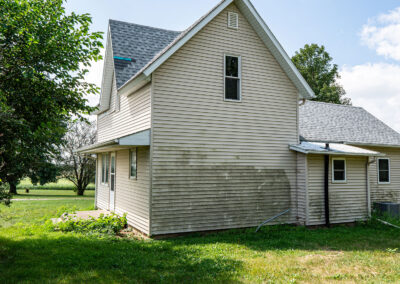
pixel 201 130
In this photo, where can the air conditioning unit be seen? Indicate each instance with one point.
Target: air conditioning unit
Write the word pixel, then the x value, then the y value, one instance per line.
pixel 387 208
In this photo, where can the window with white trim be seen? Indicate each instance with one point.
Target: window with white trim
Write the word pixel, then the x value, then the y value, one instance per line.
pixel 133 164
pixel 338 170
pixel 105 170
pixel 232 78
pixel 383 170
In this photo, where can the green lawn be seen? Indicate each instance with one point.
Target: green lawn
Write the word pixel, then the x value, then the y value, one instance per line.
pixel 51 194
pixel 280 254
pixel 62 184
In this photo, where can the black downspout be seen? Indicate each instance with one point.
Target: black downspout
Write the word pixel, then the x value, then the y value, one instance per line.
pixel 326 190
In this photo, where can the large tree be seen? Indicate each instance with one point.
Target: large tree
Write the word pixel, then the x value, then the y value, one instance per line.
pixel 44 56
pixel 315 65
pixel 78 168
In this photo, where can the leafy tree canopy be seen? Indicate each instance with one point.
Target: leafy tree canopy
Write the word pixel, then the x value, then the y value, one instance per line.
pixel 44 56
pixel 315 65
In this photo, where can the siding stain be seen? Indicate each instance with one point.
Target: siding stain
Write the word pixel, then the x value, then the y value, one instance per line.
pixel 236 196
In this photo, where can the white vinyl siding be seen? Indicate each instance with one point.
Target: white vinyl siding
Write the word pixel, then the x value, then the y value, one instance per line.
pixel 218 165
pixel 132 195
pixel 302 194
pixel 133 115
pixel 385 192
pixel 347 201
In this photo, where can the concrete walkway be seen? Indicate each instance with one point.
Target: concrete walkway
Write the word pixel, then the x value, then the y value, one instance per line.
pixel 85 215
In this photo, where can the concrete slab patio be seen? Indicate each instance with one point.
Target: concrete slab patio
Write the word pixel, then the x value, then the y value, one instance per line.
pixel 84 215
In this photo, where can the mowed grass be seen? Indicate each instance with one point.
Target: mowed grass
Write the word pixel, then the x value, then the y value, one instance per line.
pixel 61 184
pixel 52 194
pixel 30 252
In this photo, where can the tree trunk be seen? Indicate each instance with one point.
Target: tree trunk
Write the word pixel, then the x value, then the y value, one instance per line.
pixel 80 191
pixel 13 188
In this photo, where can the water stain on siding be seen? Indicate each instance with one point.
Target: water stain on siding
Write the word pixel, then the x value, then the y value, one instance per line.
pixel 202 197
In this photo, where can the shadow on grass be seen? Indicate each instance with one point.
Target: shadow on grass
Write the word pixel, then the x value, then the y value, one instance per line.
pixel 362 237
pixel 73 258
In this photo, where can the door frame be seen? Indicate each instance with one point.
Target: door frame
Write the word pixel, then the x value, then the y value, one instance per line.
pixel 112 184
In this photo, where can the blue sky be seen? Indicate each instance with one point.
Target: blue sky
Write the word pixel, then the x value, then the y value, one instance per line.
pixel 362 36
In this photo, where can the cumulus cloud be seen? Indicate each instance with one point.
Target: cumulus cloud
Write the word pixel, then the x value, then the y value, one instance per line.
pixel 382 34
pixel 376 88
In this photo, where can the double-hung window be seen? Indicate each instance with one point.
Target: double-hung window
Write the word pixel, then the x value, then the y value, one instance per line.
pixel 105 170
pixel 232 78
pixel 338 170
pixel 133 164
pixel 383 170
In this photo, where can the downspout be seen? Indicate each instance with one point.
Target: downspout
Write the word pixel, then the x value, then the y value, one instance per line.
pixel 326 187
pixel 368 186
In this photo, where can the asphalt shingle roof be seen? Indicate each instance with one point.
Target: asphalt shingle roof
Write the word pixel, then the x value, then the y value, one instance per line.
pixel 327 122
pixel 139 42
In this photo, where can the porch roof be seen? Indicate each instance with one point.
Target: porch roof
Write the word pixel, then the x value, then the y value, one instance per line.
pixel 332 149
pixel 141 138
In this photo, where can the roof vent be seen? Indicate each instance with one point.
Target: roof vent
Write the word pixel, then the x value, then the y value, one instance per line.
pixel 233 20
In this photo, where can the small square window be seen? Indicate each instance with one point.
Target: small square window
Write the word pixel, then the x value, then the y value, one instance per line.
pixel 383 171
pixel 133 164
pixel 338 170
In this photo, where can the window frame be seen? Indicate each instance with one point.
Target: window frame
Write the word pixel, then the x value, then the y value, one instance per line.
pixel 239 77
pixel 378 169
pixel 105 163
pixel 333 170
pixel 133 150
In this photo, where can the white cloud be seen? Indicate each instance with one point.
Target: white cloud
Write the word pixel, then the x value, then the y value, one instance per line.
pixel 382 34
pixel 376 88
pixel 95 76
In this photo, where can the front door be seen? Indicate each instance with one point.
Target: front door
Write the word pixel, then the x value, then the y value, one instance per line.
pixel 112 182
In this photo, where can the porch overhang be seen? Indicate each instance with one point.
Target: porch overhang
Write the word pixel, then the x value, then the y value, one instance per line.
pixel 332 149
pixel 141 138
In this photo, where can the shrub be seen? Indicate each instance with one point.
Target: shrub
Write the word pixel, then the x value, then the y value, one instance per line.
pixel 104 225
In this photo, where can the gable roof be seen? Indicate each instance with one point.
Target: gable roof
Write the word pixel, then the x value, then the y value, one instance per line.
pixel 137 42
pixel 325 122
pixel 143 41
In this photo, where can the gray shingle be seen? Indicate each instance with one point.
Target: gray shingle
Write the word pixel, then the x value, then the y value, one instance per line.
pixel 141 43
pixel 339 123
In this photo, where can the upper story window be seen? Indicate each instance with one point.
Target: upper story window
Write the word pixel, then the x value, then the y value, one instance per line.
pixel 232 78
pixel 338 170
pixel 383 170
pixel 133 164
pixel 105 168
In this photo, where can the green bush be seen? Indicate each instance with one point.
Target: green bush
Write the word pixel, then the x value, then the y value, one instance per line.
pixel 104 225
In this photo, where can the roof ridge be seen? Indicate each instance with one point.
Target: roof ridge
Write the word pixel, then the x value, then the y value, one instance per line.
pixel 144 26
pixel 333 104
